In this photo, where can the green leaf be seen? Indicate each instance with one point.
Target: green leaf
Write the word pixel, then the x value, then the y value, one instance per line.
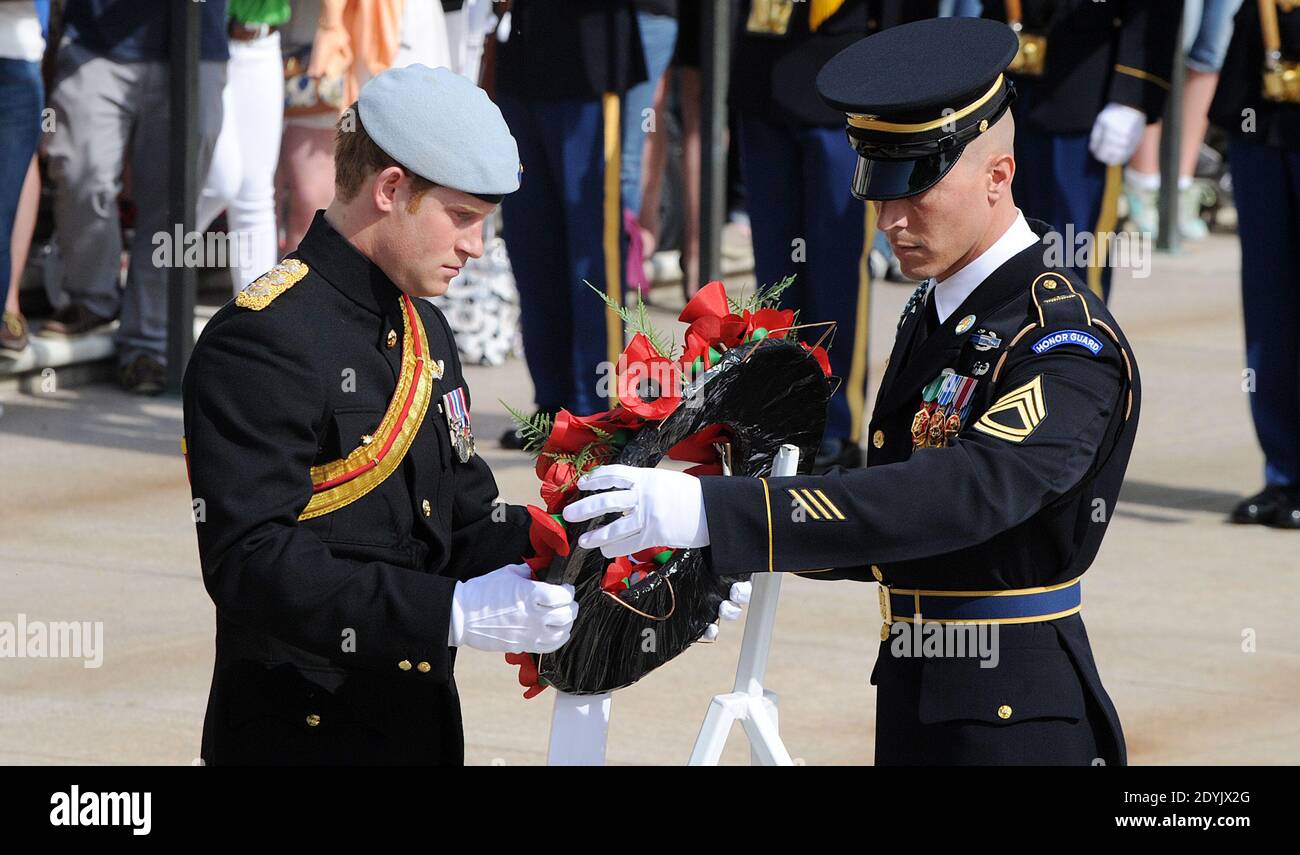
pixel 639 323
pixel 535 429
pixel 769 297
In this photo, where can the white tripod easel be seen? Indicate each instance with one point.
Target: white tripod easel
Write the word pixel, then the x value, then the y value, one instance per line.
pixel 748 702
pixel 580 723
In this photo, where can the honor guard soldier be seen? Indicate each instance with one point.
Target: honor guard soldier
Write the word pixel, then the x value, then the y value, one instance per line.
pixel 346 526
pixel 1089 77
pixel 999 438
pixel 796 166
pixel 1258 105
pixel 560 76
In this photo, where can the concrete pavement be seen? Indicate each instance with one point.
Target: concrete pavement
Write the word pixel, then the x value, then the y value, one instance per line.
pixel 95 526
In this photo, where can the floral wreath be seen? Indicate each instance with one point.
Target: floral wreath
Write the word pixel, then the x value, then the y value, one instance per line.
pixel 652 380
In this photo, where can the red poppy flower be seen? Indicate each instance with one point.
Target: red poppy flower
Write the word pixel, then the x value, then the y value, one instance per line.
pixel 775 322
pixel 712 324
pixel 528 676
pixel 559 485
pixel 538 564
pixel 641 362
pixel 613 420
pixel 568 435
pixel 698 447
pixel 700 336
pixel 546 533
pixel 615 572
pixel 709 302
pixel 819 354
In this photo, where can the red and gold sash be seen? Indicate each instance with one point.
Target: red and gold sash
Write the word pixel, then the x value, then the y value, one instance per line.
pixel 341 482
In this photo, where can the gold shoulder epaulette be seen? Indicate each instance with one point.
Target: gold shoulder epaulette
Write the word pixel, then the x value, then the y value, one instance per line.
pixel 259 293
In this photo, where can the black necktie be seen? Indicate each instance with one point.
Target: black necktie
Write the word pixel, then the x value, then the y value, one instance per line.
pixel 931 314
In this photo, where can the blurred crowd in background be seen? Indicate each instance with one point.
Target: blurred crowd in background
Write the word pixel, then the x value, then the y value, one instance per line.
pixel 605 99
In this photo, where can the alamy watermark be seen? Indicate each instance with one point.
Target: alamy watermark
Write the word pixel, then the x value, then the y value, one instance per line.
pixel 919 639
pixel 1082 249
pixel 38 639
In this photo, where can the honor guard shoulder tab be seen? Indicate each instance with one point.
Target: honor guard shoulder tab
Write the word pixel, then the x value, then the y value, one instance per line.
pixel 263 290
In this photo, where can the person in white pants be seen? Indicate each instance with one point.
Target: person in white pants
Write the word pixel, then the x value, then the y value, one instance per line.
pixel 241 180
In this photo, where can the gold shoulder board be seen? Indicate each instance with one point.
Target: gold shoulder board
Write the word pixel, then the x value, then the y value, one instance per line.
pixel 259 293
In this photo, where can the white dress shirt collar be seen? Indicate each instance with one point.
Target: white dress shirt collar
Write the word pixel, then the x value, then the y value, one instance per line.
pixel 949 294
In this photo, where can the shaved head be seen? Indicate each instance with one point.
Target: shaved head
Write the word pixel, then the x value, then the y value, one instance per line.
pixel 998 140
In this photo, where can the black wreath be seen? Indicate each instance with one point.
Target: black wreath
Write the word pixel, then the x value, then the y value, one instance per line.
pixel 768 393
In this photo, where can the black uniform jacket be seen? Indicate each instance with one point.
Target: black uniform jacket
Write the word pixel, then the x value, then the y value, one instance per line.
pixel 1119 51
pixel 1020 499
pixel 1239 106
pixel 331 641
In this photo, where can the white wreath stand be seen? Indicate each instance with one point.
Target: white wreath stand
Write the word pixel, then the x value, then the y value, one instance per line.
pixel 580 723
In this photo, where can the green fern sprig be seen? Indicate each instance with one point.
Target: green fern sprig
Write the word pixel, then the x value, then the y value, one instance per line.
pixel 591 453
pixel 769 297
pixel 535 429
pixel 639 323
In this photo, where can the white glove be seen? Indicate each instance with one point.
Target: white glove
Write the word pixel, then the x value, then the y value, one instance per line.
pixel 731 608
pixel 1116 133
pixel 507 611
pixel 660 507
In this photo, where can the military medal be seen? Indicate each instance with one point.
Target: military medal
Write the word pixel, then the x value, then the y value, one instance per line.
pixel 921 422
pixel 457 411
pixel 945 402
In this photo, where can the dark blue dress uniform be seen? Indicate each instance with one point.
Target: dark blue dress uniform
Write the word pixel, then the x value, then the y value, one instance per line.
pixel 999 442
pixel 1263 126
pixel 331 555
pixel 1078 57
pixel 560 78
pixel 796 166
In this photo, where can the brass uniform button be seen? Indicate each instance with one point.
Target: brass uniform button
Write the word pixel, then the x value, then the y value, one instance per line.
pixel 1004 712
pixel 878 439
pixel 405 664
pixel 424 667
pixel 426 508
pixel 1050 284
pixel 392 339
pixel 875 571
pixel 313 720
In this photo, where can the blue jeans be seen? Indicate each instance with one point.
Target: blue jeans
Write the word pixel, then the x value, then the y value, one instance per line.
pixel 1269 229
pixel 658 37
pixel 1207 29
pixel 21 98
pixel 960 9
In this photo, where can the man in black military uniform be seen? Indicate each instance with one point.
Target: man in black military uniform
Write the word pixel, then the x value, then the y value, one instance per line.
pixel 346 527
pixel 1258 105
pixel 1090 77
pixel 999 439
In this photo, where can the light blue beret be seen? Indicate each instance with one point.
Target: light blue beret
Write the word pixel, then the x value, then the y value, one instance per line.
pixel 442 127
